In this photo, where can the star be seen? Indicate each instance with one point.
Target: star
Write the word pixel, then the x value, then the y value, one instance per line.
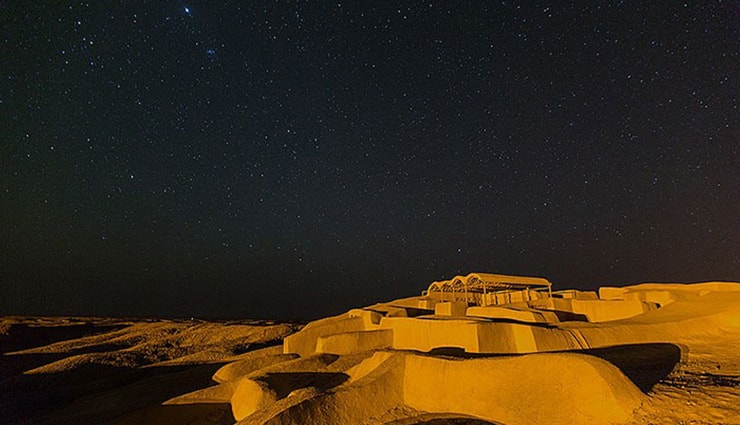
pixel 480 149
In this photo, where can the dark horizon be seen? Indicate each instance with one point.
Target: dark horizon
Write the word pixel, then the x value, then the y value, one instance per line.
pixel 293 160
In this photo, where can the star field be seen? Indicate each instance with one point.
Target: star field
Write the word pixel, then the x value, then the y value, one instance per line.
pixel 295 159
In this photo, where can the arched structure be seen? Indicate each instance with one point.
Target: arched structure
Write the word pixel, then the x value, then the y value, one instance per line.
pixel 487 288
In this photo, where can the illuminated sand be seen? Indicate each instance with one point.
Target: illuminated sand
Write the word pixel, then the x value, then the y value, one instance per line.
pixel 650 353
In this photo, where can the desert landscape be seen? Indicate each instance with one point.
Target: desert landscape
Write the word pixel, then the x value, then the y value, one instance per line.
pixel 476 349
pixel 272 212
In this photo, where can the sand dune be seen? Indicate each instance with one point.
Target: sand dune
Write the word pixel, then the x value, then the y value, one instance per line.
pixel 649 353
pixel 95 370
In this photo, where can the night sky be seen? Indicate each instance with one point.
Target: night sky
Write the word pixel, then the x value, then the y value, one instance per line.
pixel 296 159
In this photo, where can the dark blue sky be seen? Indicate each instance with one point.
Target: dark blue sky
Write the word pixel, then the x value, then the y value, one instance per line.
pixel 295 159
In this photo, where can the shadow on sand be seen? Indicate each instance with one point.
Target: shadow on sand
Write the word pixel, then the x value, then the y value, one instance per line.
pixel 644 364
pixel 97 393
pixel 441 419
pixel 283 383
pixel 22 336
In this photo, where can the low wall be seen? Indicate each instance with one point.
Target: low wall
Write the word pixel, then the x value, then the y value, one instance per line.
pixel 354 342
pixel 451 308
pixel 427 334
pixel 596 310
pixel 522 315
pixel 304 342
pixel 477 336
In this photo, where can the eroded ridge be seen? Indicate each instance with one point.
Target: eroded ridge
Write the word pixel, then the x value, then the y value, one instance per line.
pixel 504 350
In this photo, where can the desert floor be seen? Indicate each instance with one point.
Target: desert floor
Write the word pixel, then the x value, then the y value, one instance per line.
pixel 73 370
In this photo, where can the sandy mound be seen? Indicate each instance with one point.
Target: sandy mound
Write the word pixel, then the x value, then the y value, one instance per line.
pixel 579 389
